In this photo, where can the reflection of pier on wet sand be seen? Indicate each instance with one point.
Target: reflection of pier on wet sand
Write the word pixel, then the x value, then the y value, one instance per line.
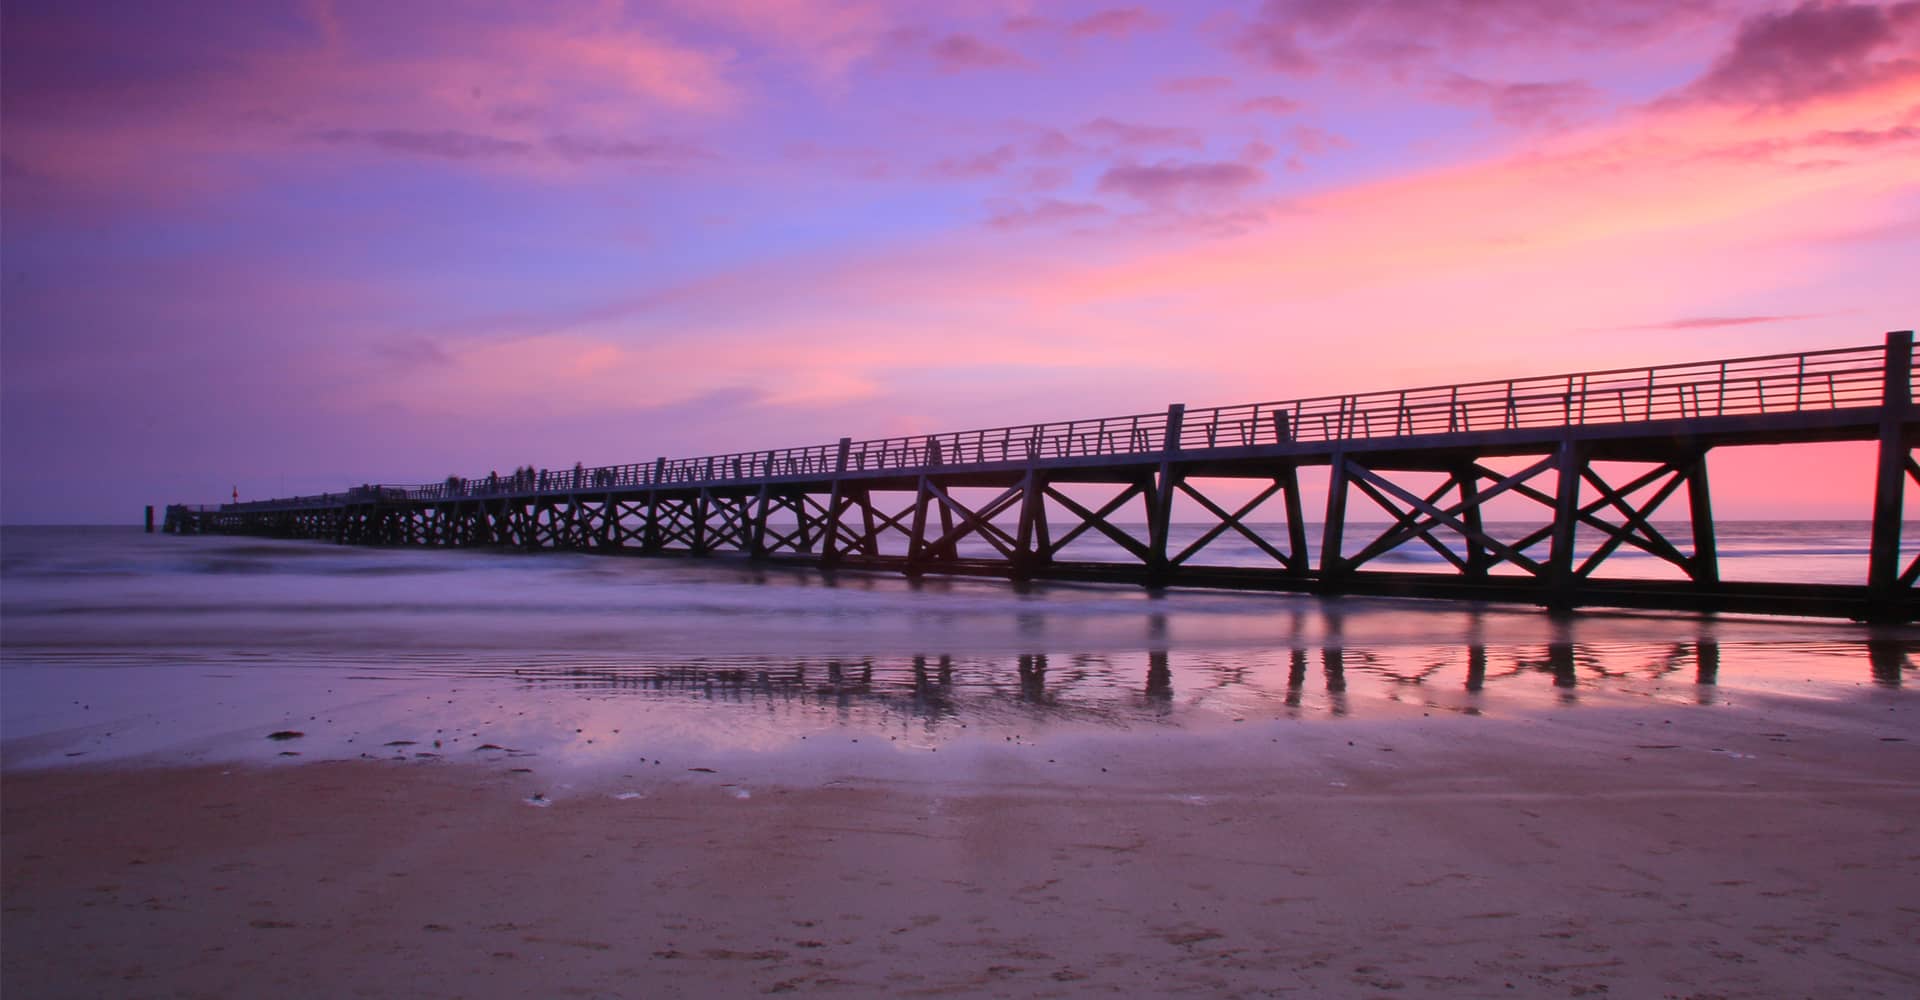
pixel 1464 676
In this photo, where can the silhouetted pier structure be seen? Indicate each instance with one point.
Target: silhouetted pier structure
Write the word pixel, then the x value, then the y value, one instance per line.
pixel 1018 496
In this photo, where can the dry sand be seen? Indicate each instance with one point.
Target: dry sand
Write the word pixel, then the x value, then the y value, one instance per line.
pixel 1765 851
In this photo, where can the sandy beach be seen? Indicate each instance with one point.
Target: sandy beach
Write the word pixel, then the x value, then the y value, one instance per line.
pixel 578 777
pixel 1764 848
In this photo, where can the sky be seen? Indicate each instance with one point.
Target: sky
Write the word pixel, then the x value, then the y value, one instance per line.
pixel 285 247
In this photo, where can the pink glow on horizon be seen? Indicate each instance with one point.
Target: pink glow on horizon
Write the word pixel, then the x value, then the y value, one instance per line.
pixel 343 242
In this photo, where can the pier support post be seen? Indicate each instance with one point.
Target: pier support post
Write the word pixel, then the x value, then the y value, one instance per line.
pixel 1890 478
pixel 757 528
pixel 1026 556
pixel 830 526
pixel 1566 510
pixel 830 531
pixel 1706 554
pixel 1468 478
pixel 149 519
pixel 1297 559
pixel 650 532
pixel 700 510
pixel 1160 517
pixel 949 548
pixel 1031 540
pixel 917 538
pixel 1335 524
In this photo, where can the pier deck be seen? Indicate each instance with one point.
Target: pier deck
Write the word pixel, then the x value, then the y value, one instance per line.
pixel 1427 462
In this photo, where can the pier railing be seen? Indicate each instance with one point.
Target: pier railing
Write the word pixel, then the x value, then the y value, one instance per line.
pixel 1811 380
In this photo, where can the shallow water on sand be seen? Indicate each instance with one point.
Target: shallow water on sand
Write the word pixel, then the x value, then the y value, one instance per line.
pixel 119 645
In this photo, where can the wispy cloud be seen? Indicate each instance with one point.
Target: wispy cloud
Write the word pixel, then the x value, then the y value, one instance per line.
pixel 1712 322
pixel 1272 104
pixel 1111 134
pixel 960 53
pixel 985 164
pixel 1160 183
pixel 1196 85
pixel 1522 104
pixel 1116 22
pixel 1046 213
pixel 446 144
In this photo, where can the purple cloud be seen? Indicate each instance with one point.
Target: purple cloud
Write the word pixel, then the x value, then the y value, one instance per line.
pixel 1054 142
pixel 979 165
pixel 413 352
pixel 1813 50
pixel 1118 134
pixel 1047 178
pixel 1168 181
pixel 957 53
pixel 1520 104
pixel 1049 212
pixel 1299 36
pixel 1271 41
pixel 444 144
pixel 1313 141
pixel 1117 22
pixel 647 152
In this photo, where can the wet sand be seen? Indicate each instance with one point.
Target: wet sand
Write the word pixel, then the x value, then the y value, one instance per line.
pixel 1769 848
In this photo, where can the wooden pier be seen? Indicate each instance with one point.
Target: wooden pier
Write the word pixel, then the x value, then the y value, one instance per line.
pixel 1422 458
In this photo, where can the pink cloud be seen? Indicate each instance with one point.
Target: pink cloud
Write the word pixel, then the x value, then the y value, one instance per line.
pixel 1793 149
pixel 1165 182
pixel 1602 226
pixel 1272 104
pixel 1712 322
pixel 1812 50
pixel 1195 85
pixel 92 103
pixel 959 53
pixel 1117 22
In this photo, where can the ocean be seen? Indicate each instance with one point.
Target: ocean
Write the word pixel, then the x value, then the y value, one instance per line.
pixel 118 645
